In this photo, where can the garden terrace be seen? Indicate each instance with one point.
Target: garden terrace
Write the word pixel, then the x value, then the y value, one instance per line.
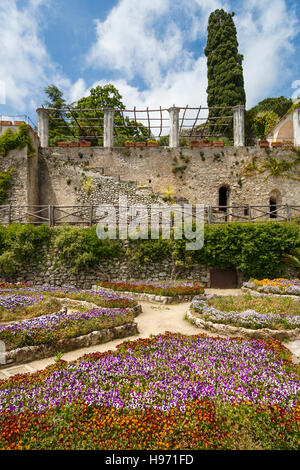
pixel 52 328
pixel 18 306
pixel 101 298
pixel 249 311
pixel 168 392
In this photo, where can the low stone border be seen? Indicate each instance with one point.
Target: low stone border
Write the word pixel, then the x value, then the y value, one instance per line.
pixel 150 297
pixel 228 330
pixel 66 302
pixel 33 353
pixel 253 291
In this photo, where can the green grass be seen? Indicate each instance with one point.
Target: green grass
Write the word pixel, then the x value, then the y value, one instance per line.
pixel 259 304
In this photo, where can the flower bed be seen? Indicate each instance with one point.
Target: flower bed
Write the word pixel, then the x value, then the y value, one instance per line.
pixel 50 329
pixel 17 306
pixel 18 285
pixel 250 318
pixel 101 298
pixel 169 392
pixel 275 286
pixel 165 288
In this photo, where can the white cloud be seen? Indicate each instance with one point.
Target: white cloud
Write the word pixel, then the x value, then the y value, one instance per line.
pixel 179 88
pixel 265 33
pixel 134 41
pixel 148 40
pixel 25 65
pixel 143 39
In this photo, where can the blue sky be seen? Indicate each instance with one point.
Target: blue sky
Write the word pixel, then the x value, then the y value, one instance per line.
pixel 152 50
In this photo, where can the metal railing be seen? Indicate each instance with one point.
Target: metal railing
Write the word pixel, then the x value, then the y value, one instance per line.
pixel 88 215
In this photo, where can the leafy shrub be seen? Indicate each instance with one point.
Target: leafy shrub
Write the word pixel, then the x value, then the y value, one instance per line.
pixel 255 249
pixel 5 182
pixel 15 140
pixel 19 244
pixel 81 248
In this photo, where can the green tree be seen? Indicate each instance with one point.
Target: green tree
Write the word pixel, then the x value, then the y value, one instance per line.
pixel 106 96
pixel 261 118
pixel 224 67
pixel 263 123
pixel 279 105
pixel 86 117
pixel 58 129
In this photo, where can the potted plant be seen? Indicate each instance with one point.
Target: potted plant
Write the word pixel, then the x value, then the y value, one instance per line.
pixel 276 144
pixel 140 144
pixel 152 143
pixel 218 143
pixel 85 143
pixel 206 143
pixel 263 143
pixel 63 144
pixel 288 144
pixel 195 143
pixel 74 144
pixel 18 123
pixel 129 143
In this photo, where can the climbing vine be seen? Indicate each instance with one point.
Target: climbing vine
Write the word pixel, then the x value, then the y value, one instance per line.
pixel 16 140
pixel 5 182
pixel 274 167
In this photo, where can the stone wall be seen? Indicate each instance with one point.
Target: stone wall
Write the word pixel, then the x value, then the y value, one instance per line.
pixel 194 174
pixel 24 188
pixel 51 272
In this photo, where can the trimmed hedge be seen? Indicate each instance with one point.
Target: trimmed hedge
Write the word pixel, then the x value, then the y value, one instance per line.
pixel 255 249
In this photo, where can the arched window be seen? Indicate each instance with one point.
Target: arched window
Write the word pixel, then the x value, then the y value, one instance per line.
pixel 273 207
pixel 223 198
pixel 275 201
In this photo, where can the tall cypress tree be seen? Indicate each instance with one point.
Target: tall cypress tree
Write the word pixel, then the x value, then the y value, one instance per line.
pixel 224 63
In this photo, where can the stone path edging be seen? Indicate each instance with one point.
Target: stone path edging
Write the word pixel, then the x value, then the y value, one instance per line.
pixel 150 297
pixel 33 353
pixel 255 292
pixel 264 333
pixel 66 302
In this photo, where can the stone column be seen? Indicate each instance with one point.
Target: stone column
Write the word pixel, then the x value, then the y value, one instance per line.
pixel 239 125
pixel 108 132
pixel 43 127
pixel 296 126
pixel 174 127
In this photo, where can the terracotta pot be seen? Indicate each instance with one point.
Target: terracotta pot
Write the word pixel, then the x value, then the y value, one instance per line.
pixel 206 144
pixel 263 143
pixel 74 144
pixel 140 144
pixel 218 143
pixel 288 144
pixel 276 144
pixel 18 123
pixel 129 144
pixel 152 144
pixel 63 144
pixel 6 123
pixel 195 143
pixel 85 144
